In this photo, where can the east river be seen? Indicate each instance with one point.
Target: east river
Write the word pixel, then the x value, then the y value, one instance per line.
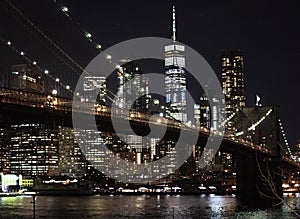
pixel 142 206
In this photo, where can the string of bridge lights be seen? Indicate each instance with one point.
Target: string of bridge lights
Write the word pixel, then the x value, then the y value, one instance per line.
pixel 228 118
pixel 34 63
pixel 253 126
pixel 284 137
pixel 87 35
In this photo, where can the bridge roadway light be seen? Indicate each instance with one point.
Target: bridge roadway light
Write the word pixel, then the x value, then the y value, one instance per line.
pixel 68 87
pixel 8 43
pixel 22 53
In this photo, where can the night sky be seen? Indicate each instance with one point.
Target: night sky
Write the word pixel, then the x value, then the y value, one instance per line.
pixel 267 32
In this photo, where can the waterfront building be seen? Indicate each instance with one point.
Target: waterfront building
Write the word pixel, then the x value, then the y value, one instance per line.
pixel 33 150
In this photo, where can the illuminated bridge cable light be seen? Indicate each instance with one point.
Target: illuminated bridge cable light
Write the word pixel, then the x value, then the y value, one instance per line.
pixel 88 35
pixel 239 133
pixel 228 119
pixel 285 139
pixel 64 9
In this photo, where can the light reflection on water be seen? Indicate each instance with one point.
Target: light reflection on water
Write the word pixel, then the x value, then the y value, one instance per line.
pixel 138 206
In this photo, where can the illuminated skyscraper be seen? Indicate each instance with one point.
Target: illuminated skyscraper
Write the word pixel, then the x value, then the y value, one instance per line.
pixel 233 81
pixel 175 81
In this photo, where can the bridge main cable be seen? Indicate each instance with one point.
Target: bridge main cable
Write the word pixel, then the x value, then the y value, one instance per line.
pixel 33 28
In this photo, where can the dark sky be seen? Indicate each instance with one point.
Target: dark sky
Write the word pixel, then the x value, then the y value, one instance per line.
pixel 267 32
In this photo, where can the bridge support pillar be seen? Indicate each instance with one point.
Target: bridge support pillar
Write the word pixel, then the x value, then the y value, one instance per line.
pixel 259 179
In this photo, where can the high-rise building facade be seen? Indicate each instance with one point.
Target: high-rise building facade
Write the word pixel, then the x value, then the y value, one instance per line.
pixel 33 150
pixel 233 89
pixel 233 82
pixel 4 151
pixel 71 159
pixel 175 80
pixel 133 87
pixel 206 113
pixel 94 89
pixel 27 78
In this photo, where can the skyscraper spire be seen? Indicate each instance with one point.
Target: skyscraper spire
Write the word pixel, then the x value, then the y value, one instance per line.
pixel 174 24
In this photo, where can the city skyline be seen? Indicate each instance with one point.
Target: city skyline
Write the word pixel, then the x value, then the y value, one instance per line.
pixel 190 106
pixel 266 39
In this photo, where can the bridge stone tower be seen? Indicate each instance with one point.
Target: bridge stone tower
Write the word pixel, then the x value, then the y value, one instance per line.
pixel 258 171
